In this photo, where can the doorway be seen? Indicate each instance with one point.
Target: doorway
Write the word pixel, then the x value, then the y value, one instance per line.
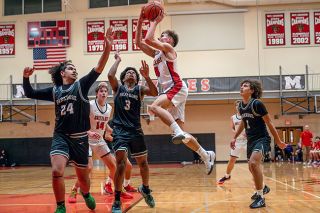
pixel 291 136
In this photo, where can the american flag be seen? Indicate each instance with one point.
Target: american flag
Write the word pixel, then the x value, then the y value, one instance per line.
pixel 45 58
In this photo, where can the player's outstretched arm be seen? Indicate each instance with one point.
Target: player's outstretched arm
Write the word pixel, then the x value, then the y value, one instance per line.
pixel 233 127
pixel 108 39
pixel 273 131
pixel 236 134
pixel 41 94
pixel 151 89
pixel 112 72
pixel 155 43
pixel 138 39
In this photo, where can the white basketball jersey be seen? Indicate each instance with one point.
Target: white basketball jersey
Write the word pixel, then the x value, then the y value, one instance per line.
pixel 99 117
pixel 166 70
pixel 236 119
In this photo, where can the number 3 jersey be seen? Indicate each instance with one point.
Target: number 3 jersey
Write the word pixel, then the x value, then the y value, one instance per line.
pixel 127 104
pixel 99 117
pixel 251 114
pixel 72 109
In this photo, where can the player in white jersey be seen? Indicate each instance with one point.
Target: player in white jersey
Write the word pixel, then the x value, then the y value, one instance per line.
pixel 100 112
pixel 240 145
pixel 170 105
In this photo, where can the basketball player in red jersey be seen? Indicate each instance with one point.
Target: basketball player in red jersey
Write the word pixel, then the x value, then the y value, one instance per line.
pixel 170 104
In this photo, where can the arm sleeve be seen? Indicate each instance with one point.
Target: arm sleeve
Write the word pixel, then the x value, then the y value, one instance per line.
pixel 87 81
pixel 260 108
pixel 40 94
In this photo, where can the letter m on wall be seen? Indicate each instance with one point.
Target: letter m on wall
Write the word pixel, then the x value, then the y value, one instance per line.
pixel 295 82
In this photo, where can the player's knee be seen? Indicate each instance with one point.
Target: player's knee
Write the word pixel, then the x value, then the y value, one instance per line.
pixel 154 108
pixel 57 173
pixel 254 164
pixel 121 164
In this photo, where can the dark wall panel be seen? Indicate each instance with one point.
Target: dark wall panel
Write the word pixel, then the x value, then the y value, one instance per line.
pixel 35 151
pixel 27 151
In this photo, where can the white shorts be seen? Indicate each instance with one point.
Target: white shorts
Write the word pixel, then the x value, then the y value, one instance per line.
pixel 178 96
pixel 100 148
pixel 241 146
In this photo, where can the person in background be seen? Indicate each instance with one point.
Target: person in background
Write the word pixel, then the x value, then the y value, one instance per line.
pixel 306 143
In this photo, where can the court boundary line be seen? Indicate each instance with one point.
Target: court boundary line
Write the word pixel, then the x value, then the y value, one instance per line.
pixel 285 184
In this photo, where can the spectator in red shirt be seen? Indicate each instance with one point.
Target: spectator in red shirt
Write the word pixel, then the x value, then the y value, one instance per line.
pixel 306 143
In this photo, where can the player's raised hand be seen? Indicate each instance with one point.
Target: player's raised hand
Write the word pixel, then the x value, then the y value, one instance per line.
pixel 27 72
pixel 281 144
pixel 117 55
pixel 141 16
pixel 108 38
pixel 160 17
pixel 144 69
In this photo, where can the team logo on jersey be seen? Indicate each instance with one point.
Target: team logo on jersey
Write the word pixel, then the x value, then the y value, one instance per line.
pixel 101 118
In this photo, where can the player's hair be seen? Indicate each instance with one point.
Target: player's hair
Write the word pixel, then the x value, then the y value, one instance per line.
pixel 124 72
pixel 255 85
pixel 173 35
pixel 55 72
pixel 101 85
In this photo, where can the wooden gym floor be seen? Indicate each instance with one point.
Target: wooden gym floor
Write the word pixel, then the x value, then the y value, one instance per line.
pixel 294 189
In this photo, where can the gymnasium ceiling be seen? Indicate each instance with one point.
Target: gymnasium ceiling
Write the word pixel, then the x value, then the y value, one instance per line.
pixel 247 2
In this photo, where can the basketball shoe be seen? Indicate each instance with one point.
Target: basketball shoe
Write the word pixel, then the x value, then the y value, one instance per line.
pixel 266 190
pixel 116 207
pixel 209 161
pixel 107 189
pixel 129 188
pixel 223 179
pixel 147 197
pixel 258 203
pixel 126 195
pixel 73 196
pixel 61 209
pixel 90 202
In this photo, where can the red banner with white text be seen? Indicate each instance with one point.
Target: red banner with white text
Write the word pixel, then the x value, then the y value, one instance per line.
pixel 145 27
pixel 300 28
pixel 120 27
pixel 95 36
pixel 7 39
pixel 317 27
pixel 275 29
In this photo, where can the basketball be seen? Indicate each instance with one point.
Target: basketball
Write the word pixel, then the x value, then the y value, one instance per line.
pixel 152 10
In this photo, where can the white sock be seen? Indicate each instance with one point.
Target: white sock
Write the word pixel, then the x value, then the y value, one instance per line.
pixel 108 180
pixel 227 175
pixel 203 153
pixel 126 182
pixel 260 192
pixel 176 128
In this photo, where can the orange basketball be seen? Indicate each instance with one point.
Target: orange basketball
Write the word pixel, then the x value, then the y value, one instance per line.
pixel 152 10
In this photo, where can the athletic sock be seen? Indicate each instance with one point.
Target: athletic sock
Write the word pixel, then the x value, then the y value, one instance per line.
pixel 203 153
pixel 126 182
pixel 176 129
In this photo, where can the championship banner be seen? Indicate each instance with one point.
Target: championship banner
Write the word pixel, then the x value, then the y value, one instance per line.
pixel 275 30
pixel 300 28
pixel 95 36
pixel 317 27
pixel 7 37
pixel 120 42
pixel 145 27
